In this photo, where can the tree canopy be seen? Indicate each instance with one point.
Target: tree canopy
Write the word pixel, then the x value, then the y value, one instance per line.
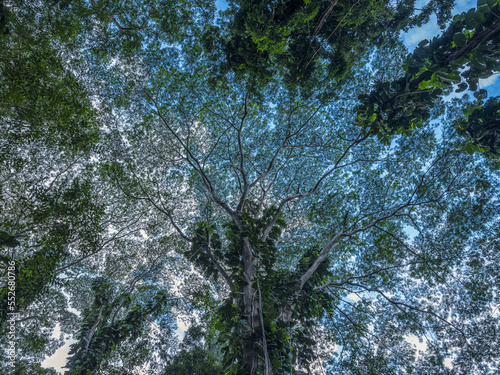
pixel 276 188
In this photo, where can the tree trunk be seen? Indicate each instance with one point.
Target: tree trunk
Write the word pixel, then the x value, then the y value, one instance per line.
pixel 250 310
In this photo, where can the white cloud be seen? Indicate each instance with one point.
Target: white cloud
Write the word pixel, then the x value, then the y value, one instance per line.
pixel 448 363
pixel 483 83
pixel 58 359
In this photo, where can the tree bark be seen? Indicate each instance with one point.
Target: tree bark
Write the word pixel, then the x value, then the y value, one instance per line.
pixel 250 308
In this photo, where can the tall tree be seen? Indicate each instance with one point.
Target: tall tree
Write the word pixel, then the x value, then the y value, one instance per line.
pixel 304 223
pixel 308 216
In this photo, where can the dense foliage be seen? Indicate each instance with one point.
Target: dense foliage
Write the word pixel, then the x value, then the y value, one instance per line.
pixel 276 188
pixel 297 37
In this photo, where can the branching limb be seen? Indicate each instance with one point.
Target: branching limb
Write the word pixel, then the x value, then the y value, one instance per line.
pixel 161 209
pixel 370 274
pixel 116 236
pixel 113 19
pixel 195 164
pixel 313 189
pixel 242 160
pixel 398 305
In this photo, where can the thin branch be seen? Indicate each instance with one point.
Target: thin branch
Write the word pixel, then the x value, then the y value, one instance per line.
pixel 322 20
pixel 93 329
pixel 116 236
pixel 312 190
pixel 399 303
pixel 113 19
pixel 194 163
pixel 329 36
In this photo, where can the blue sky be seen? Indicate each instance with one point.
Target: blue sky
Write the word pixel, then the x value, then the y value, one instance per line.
pixel 414 36
pixel 221 4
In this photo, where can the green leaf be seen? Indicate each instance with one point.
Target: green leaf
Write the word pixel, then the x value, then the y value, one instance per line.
pixel 219 326
pixel 424 85
pixel 477 61
pixel 481 94
pixel 473 84
pixel 460 39
pixel 8 240
pixel 482 6
pixel 470 148
pixel 473 18
pixel 461 87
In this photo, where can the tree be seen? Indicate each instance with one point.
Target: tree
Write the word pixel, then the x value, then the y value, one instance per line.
pixel 195 356
pixel 102 331
pixel 344 217
pixel 278 216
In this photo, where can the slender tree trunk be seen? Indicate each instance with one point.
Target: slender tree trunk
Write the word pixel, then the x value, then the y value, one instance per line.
pixel 250 309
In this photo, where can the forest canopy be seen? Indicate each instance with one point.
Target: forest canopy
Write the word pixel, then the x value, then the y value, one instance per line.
pixel 276 187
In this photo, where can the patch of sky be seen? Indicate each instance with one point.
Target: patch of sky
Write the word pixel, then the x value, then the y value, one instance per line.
pixel 394 142
pixel 495 312
pixel 353 297
pixel 410 231
pixel 221 4
pixel 369 65
pixel 491 84
pixel 164 45
pixel 416 35
pixel 58 359
pixel 448 363
pixel 437 125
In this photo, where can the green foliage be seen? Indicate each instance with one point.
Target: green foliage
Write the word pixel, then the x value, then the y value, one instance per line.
pixel 151 153
pixel 62 216
pixel 302 38
pixel 196 362
pixel 25 368
pixel 101 332
pixel 277 290
pixel 205 241
pixel 4 16
pixel 7 241
pixel 40 100
pixel 466 52
pixel 483 126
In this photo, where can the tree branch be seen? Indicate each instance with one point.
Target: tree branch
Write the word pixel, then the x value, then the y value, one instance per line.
pixel 194 163
pixel 113 19
pixel 358 140
pixel 242 160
